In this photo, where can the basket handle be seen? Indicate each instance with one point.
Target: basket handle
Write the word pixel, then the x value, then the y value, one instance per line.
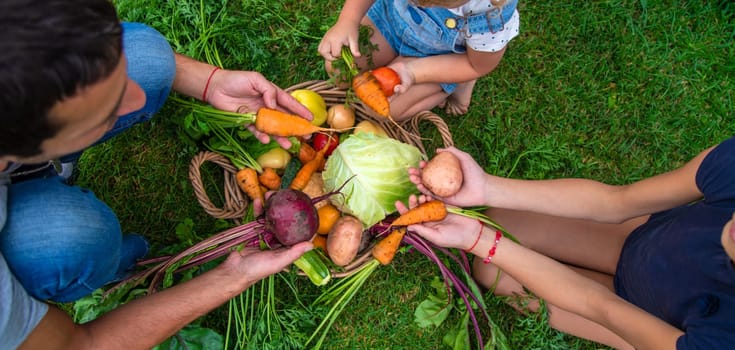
pixel 235 205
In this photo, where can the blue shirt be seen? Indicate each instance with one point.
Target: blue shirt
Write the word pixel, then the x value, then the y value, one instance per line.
pixel 674 265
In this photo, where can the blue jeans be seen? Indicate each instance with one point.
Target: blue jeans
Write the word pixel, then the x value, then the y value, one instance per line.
pixel 60 241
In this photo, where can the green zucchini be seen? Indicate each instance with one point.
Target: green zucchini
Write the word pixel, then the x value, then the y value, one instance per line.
pixel 314 268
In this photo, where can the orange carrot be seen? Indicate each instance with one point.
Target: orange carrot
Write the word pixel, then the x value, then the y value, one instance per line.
pixel 369 91
pixel 320 241
pixel 306 153
pixel 328 215
pixel 386 249
pixel 247 179
pixel 304 174
pixel 274 122
pixel 270 179
pixel 433 210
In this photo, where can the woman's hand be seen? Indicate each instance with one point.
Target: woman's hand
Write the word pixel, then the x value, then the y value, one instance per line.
pixel 455 231
pixel 474 184
pixel 247 91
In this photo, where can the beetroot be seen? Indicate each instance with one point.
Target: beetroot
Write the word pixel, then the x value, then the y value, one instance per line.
pixel 291 217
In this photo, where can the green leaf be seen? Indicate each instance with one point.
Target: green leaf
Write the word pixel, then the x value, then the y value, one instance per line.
pixel 193 337
pixel 458 338
pixel 435 308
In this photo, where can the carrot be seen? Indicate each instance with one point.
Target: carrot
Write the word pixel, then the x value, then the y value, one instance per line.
pixel 304 174
pixel 306 153
pixel 328 215
pixel 433 210
pixel 386 249
pixel 270 179
pixel 274 122
pixel 369 91
pixel 320 241
pixel 247 179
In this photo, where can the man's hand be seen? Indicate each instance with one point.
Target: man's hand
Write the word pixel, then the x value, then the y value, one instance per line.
pixel 254 264
pixel 246 91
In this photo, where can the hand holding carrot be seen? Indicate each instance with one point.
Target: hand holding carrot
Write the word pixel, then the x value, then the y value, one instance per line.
pixel 474 187
pixel 247 91
pixel 455 231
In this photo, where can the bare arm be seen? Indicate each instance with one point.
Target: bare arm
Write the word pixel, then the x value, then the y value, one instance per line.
pixel 146 322
pixel 191 76
pixel 464 67
pixel 573 198
pixel 588 199
pixel 580 295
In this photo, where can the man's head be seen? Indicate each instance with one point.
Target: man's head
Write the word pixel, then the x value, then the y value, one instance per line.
pixel 54 56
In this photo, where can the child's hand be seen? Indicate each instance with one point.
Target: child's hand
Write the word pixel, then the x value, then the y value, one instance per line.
pixel 402 66
pixel 472 192
pixel 341 34
pixel 455 231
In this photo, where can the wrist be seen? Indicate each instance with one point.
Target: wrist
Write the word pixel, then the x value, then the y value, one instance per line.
pixel 207 85
pixel 492 191
pixel 488 244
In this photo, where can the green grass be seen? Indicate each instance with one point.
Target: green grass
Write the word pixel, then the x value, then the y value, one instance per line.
pixel 610 90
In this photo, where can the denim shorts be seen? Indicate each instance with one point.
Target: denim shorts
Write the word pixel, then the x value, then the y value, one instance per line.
pixel 415 32
pixel 61 241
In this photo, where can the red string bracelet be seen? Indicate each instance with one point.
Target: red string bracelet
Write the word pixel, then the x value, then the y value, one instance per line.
pixel 491 252
pixel 479 234
pixel 206 87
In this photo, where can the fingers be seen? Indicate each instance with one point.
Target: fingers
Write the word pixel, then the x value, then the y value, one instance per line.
pixel 263 138
pixel 284 142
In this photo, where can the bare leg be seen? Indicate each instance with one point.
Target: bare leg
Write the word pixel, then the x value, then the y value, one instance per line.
pixel 459 101
pixel 559 319
pixel 591 248
pixel 421 97
pixel 587 244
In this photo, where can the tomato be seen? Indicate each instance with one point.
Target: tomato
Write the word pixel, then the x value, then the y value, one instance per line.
pixel 314 103
pixel 321 140
pixel 387 78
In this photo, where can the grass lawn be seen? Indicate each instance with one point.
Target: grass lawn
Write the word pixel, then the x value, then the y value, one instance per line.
pixel 615 91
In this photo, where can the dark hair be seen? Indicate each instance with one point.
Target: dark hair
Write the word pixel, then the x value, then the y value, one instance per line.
pixel 48 51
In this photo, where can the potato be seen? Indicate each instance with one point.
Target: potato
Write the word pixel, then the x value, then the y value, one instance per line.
pixel 368 126
pixel 276 158
pixel 344 240
pixel 315 188
pixel 442 175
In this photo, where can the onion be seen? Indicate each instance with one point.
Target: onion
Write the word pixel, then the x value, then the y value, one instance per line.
pixel 340 117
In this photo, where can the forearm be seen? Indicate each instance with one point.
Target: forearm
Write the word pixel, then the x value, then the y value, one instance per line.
pixel 572 198
pixel 424 70
pixel 146 322
pixel 354 10
pixel 191 76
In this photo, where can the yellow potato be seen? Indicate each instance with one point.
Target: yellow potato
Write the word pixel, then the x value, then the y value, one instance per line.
pixel 442 175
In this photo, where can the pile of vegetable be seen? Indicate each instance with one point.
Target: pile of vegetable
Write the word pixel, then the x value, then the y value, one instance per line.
pixel 336 188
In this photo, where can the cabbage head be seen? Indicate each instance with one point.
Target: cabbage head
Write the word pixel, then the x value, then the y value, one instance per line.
pixel 380 169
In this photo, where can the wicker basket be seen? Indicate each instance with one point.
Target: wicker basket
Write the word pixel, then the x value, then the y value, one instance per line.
pixel 236 203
